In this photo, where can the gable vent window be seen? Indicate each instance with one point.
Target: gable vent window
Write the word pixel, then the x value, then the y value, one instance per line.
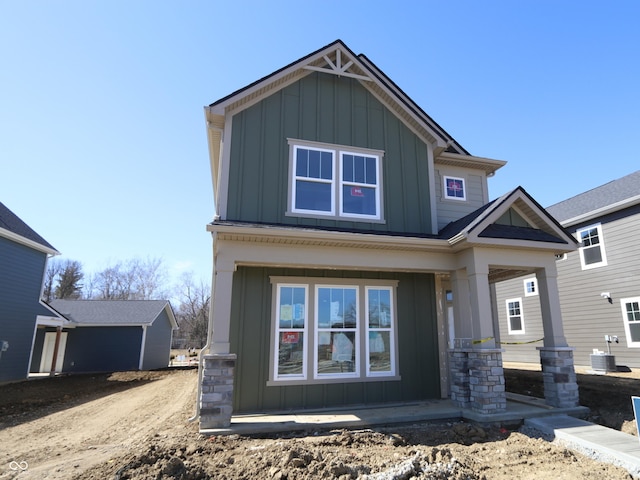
pixel 333 181
pixel 592 252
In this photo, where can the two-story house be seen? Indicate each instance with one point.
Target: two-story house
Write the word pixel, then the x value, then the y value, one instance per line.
pixel 354 247
pixel 599 283
pixel 23 261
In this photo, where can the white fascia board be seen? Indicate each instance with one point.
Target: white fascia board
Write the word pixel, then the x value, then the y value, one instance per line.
pixel 490 165
pixel 54 322
pixel 25 241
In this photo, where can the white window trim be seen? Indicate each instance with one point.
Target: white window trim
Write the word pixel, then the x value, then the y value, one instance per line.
pixel 444 188
pixel 310 376
pixel 534 281
pixel 515 332
pixel 337 182
pixel 304 331
pixel 391 329
pixel 603 252
pixel 625 321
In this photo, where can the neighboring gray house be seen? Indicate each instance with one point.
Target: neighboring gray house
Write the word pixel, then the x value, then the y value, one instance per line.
pixel 354 249
pixel 599 284
pixel 105 335
pixel 23 261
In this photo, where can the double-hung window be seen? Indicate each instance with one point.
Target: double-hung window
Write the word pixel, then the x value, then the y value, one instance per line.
pixel 631 318
pixel 327 332
pixel 334 181
pixel 515 320
pixel 592 252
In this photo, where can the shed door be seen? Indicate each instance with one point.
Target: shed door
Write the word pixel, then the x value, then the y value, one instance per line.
pixel 47 352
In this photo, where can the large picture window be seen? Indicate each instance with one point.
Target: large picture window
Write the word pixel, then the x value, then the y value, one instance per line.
pixel 332 181
pixel 338 331
pixel 631 318
pixel 592 252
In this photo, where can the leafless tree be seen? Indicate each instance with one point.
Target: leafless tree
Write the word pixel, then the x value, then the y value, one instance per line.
pixel 62 280
pixel 192 313
pixel 135 279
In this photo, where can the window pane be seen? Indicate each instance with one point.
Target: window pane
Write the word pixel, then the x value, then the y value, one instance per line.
pixel 516 323
pixel 336 352
pixel 359 200
pixel 379 351
pixel 633 311
pixel 592 255
pixel 313 196
pixel 290 353
pixel 347 168
pixel 358 167
pixel 326 165
pixel 371 178
pixel 302 162
pixel 292 307
pixel 379 308
pixel 337 308
pixel 634 330
pixel 314 164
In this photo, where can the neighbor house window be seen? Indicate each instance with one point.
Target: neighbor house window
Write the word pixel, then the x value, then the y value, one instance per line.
pixel 530 287
pixel 592 252
pixel 335 181
pixel 454 188
pixel 329 332
pixel 631 318
pixel 514 316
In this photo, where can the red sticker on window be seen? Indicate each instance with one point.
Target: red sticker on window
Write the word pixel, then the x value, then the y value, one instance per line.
pixel 290 337
pixel 356 192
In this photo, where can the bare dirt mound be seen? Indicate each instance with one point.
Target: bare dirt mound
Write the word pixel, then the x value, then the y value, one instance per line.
pixel 134 425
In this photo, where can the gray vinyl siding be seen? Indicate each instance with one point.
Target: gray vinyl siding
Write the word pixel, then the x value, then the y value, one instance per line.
pixel 102 349
pixel 333 110
pixel 157 349
pixel 21 273
pixel 452 210
pixel 587 316
pixel 251 333
pixel 519 347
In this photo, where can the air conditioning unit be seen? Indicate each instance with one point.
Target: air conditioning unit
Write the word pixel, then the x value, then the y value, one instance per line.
pixel 602 362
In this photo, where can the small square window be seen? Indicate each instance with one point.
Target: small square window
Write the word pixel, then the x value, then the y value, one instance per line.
pixel 530 287
pixel 454 188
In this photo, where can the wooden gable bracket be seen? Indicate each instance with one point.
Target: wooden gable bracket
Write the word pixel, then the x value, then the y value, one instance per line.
pixel 337 68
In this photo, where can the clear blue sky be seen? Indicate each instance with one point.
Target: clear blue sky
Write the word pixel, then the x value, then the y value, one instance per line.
pixel 102 134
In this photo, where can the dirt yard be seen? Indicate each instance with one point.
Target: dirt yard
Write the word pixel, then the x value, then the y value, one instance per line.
pixel 134 425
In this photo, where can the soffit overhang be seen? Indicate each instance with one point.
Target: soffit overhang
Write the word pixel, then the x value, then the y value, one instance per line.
pixel 489 165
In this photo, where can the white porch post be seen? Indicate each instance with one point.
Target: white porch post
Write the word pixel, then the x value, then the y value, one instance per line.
pixel 556 357
pixel 221 310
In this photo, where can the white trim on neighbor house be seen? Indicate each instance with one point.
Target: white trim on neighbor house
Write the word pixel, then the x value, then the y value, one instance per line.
pixel 515 311
pixel 591 239
pixel 630 309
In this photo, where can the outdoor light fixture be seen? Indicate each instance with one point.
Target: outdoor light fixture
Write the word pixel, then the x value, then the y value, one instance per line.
pixel 607 295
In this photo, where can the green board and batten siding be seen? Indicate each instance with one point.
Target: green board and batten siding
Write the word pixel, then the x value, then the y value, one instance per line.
pixel 325 108
pixel 251 335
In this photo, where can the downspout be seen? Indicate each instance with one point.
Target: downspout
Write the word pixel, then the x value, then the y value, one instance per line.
pixel 214 236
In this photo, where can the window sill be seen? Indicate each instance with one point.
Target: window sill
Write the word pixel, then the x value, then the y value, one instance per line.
pixel 338 218
pixel 286 383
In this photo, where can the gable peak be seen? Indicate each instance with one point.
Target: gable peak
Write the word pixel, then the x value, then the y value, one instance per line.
pixel 337 60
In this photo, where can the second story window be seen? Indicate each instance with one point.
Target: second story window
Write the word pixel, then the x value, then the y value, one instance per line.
pixel 335 182
pixel 592 252
pixel 454 188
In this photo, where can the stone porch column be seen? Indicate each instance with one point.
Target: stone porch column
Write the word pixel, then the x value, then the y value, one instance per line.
pixel 556 357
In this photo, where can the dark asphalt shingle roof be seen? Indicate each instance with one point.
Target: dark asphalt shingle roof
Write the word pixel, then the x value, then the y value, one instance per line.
pixel 603 196
pixel 110 312
pixel 11 222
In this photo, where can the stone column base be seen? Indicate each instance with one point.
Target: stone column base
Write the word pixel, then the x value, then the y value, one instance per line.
pixel 477 380
pixel 558 373
pixel 216 396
